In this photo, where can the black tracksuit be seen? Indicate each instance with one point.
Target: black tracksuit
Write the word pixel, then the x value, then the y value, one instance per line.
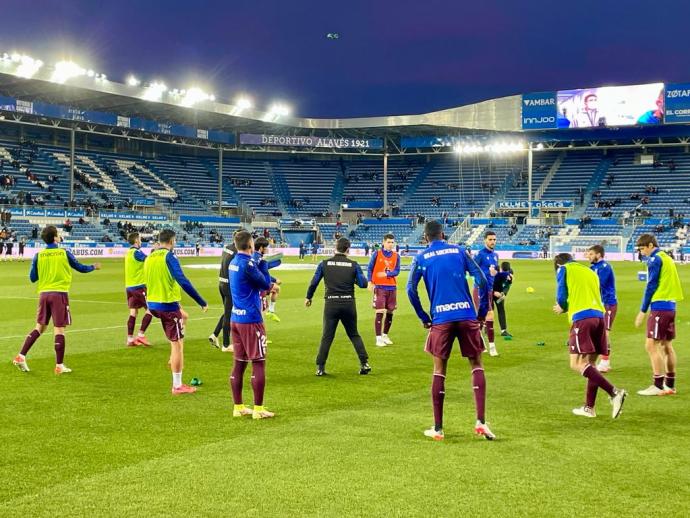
pixel 224 321
pixel 340 275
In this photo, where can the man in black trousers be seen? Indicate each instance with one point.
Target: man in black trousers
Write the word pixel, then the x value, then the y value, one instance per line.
pixel 340 275
pixel 223 325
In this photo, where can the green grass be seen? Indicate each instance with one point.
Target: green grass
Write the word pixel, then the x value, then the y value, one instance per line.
pixel 110 440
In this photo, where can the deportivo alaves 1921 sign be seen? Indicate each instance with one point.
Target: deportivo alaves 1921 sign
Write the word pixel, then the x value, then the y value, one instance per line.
pixel 309 141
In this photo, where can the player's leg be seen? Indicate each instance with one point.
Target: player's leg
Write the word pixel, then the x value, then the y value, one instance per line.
pixel 502 322
pixel 20 359
pixel 258 386
pixel 379 316
pixel 145 322
pixel 438 395
pixel 241 360
pixel 213 337
pixel 131 323
pixel 489 325
pixel 275 292
pixel 670 356
pixel 330 322
pixel 59 335
pixel 657 359
pixel 391 306
pixel 174 330
pixel 348 316
pixel 604 364
pixel 227 335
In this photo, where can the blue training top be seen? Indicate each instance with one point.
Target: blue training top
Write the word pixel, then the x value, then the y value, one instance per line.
pixel 247 277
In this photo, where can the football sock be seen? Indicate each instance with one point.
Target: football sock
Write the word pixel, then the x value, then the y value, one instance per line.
pixel 59 349
pixel 177 379
pixel 236 379
pixel 659 382
pixel 258 382
pixel 438 393
pixel 378 323
pixel 479 388
pixel 591 393
pixel 145 322
pixel 388 323
pixel 490 330
pixel 131 322
pixel 591 373
pixel 671 379
pixel 605 357
pixel 29 342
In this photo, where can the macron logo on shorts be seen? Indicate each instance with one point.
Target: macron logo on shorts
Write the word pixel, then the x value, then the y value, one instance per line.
pixel 452 306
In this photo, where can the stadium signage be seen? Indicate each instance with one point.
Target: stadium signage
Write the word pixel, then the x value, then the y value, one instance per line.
pixel 47 213
pixel 537 204
pixel 133 216
pixel 309 141
pixel 539 111
pixel 677 104
pixel 512 205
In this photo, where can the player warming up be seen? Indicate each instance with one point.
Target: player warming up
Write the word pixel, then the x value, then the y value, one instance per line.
pixel 135 289
pixel 383 271
pixel 453 315
pixel 51 269
pixel 248 277
pixel 607 285
pixel 164 278
pixel 223 324
pixel 487 259
pixel 502 283
pixel 578 294
pixel 271 295
pixel 340 275
pixel 661 294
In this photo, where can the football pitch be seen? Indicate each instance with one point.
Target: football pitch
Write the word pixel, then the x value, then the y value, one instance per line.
pixel 110 440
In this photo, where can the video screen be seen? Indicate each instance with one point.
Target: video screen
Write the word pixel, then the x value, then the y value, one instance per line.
pixel 611 106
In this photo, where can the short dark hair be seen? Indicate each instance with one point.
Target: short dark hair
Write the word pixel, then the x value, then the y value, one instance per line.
pixel 598 249
pixel 342 245
pixel 388 236
pixel 489 233
pixel 433 230
pixel 242 240
pixel 132 237
pixel 646 240
pixel 49 234
pixel 505 266
pixel 561 259
pixel 589 95
pixel 260 242
pixel 166 236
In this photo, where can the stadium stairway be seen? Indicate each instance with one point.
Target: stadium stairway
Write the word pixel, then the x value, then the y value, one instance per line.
pixel 338 190
pixel 281 190
pixel 549 176
pixel 593 186
pixel 415 183
pixel 212 169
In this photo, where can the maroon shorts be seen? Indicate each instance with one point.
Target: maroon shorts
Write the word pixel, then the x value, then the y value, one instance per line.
pixel 172 322
pixel 661 325
pixel 55 305
pixel 610 316
pixel 385 299
pixel 588 336
pixel 248 341
pixel 439 343
pixel 136 298
pixel 475 299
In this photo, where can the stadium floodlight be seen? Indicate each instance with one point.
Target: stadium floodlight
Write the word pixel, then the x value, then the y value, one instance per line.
pixel 540 146
pixel 154 91
pixel 90 73
pixel 101 77
pixel 279 110
pixel 193 96
pixel 28 66
pixel 133 81
pixel 243 103
pixel 65 70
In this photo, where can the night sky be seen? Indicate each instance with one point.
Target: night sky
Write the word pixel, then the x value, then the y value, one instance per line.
pixel 393 57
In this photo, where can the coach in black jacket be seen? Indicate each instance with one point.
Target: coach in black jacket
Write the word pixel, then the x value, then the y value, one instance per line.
pixel 229 252
pixel 340 275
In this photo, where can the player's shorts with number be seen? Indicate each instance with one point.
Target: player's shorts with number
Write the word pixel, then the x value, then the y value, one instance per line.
pixel 588 336
pixel 53 305
pixel 248 341
pixel 661 325
pixel 173 323
pixel 441 337
pixel 136 298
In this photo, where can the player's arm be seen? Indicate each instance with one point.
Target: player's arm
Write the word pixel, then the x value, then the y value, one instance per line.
pixel 507 284
pixel 370 268
pixel 139 256
pixel 413 295
pixel 81 267
pixel 33 273
pixel 561 289
pixel 360 279
pixel 258 275
pixel 177 273
pixel 315 280
pixel 653 271
pixel 480 281
pixel 274 264
pixel 395 271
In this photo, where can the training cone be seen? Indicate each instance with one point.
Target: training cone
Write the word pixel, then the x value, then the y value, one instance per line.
pixel 195 382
